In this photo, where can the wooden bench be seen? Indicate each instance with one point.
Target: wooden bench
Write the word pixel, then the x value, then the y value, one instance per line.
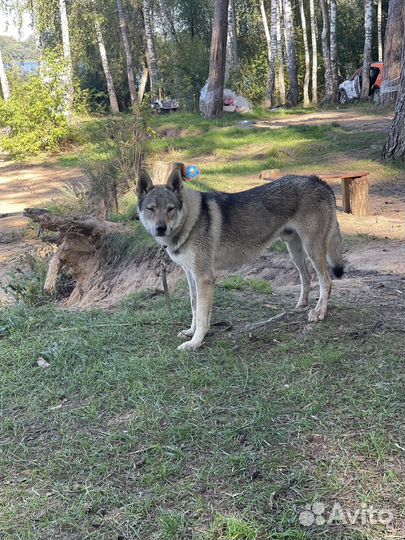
pixel 354 189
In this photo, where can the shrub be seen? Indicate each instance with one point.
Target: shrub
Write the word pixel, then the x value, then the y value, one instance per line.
pixel 34 117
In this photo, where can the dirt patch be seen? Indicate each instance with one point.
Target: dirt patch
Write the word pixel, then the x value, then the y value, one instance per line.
pixel 351 121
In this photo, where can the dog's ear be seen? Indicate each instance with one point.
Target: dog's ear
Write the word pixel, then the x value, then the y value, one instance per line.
pixel 175 182
pixel 144 184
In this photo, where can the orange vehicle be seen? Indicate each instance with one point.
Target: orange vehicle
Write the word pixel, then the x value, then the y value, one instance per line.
pixel 350 89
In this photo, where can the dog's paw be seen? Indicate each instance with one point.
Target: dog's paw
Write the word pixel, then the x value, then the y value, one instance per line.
pixel 316 315
pixel 189 345
pixel 189 332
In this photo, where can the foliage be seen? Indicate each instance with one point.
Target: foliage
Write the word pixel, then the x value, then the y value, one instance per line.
pixel 26 283
pixel 35 115
pixel 18 51
pixel 184 69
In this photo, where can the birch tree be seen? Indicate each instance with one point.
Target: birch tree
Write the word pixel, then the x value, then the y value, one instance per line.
pixel 127 50
pixel 168 29
pixel 326 53
pixel 306 54
pixel 5 87
pixel 394 32
pixel 395 144
pixel 368 28
pixel 379 30
pixel 333 52
pixel 314 53
pixel 68 75
pixel 151 57
pixel 216 77
pixel 291 56
pixel 280 53
pixel 232 58
pixel 106 67
pixel 270 55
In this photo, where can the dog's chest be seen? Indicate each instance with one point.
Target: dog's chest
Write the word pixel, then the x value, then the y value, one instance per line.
pixel 182 257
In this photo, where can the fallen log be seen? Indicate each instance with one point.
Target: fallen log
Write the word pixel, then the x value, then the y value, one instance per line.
pixel 106 260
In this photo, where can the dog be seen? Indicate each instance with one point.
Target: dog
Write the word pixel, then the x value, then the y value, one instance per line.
pixel 205 232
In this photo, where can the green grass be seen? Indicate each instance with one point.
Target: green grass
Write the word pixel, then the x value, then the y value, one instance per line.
pixel 123 436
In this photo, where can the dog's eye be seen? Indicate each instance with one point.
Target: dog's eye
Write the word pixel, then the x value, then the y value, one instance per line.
pixel 151 209
pixel 170 209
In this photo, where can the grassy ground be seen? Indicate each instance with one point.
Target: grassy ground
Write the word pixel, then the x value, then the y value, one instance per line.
pixel 124 437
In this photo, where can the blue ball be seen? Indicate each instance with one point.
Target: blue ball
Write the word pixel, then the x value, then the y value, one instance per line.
pixel 192 172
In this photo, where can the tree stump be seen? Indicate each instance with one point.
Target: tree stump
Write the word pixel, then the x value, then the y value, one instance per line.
pixel 102 258
pixel 160 170
pixel 355 196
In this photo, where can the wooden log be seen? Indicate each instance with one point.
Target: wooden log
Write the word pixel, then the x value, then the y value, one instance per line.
pixel 359 196
pixel 160 170
pixel 346 195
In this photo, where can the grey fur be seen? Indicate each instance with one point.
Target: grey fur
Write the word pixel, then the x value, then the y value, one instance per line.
pixel 207 232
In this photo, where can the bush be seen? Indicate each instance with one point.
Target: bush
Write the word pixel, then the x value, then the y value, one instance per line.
pixel 34 117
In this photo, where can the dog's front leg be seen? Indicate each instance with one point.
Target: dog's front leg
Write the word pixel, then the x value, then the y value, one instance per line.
pixel 205 294
pixel 193 301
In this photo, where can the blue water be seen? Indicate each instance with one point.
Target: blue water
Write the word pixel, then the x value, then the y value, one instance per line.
pixel 29 67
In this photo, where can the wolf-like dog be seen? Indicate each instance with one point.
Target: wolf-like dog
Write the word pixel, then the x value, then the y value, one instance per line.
pixel 207 232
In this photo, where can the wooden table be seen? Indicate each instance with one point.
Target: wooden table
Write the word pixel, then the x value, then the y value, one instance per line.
pixel 354 188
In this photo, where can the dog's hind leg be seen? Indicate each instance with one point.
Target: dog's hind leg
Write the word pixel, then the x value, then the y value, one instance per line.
pixel 316 251
pixel 297 254
pixel 193 301
pixel 205 295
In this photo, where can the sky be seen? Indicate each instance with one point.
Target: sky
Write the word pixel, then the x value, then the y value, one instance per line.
pixel 8 27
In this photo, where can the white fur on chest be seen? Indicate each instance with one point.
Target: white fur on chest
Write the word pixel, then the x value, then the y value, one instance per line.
pixel 183 258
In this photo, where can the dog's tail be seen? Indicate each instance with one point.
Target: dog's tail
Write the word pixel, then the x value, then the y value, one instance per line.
pixel 335 250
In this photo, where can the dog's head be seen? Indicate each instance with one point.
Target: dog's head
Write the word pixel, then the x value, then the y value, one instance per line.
pixel 161 208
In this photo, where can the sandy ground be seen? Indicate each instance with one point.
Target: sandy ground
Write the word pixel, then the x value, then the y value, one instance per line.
pixel 349 120
pixel 379 248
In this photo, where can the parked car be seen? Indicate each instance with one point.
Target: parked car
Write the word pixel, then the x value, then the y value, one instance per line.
pixel 350 89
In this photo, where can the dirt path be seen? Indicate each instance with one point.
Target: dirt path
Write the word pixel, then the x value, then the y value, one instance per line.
pixel 350 120
pixel 23 186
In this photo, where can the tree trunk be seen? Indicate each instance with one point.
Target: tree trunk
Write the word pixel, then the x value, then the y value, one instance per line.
pixel 106 68
pixel 314 54
pixel 232 59
pixel 291 56
pixel 395 144
pixel 306 54
pixel 216 77
pixel 150 46
pixel 103 273
pixel 270 56
pixel 4 80
pixel 368 32
pixel 326 54
pixel 68 75
pixel 127 50
pixel 379 30
pixel 333 51
pixel 271 82
pixel 169 30
pixel 142 84
pixel 394 32
pixel 280 53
